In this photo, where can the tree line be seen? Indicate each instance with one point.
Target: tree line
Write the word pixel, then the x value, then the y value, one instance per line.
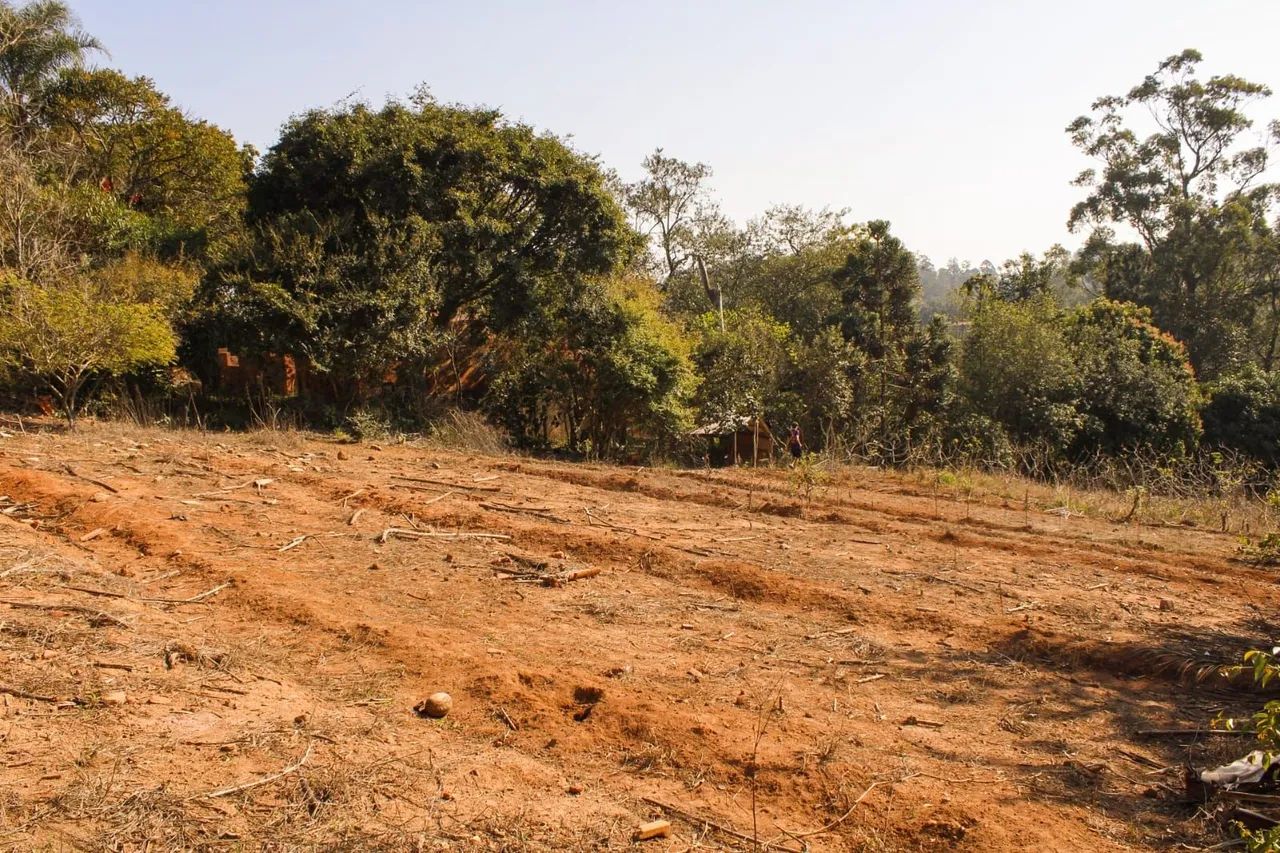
pixel 421 255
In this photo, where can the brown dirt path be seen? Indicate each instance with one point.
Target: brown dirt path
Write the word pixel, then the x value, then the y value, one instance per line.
pixel 978 668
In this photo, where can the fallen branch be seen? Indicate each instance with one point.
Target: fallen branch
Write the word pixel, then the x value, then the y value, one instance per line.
pixel 732 833
pixel 824 634
pixel 99 483
pixel 506 718
pixel 355 516
pixel 537 512
pixel 195 599
pixel 93 534
pixel 438 498
pixel 70 608
pixel 595 519
pixel 91 591
pixel 22 694
pixel 235 789
pixel 446 484
pixel 424 534
pixel 293 543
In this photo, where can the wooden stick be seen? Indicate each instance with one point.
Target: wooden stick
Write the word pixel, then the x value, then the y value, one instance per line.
pixel 195 599
pixel 91 591
pixel 235 789
pixel 355 516
pixel 825 634
pixel 423 534
pixel 1193 732
pixel 70 608
pixel 537 512
pixel 93 534
pixel 294 543
pixel 653 829
pixel 446 484
pixel 22 694
pixel 259 482
pixel 595 519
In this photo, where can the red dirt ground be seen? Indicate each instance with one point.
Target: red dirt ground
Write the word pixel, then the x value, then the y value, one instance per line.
pixel 878 668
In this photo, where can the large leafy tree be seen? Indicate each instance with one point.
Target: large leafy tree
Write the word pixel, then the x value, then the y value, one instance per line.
pixel 375 230
pixel 1179 171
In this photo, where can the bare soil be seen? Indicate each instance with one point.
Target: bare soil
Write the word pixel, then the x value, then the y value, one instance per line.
pixel 876 667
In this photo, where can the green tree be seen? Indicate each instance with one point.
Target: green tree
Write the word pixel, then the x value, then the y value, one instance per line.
pixel 1137 389
pixel 1026 277
pixel 606 368
pixel 373 230
pixel 1242 413
pixel 1189 186
pixel 742 367
pixel 1017 370
pixel 75 332
pixel 879 288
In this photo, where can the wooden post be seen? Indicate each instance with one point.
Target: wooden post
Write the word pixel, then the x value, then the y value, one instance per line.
pixel 755 442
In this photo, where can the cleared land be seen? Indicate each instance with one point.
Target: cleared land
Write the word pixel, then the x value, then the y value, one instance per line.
pixel 883 666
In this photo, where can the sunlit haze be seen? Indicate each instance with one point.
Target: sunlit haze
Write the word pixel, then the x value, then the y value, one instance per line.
pixel 944 117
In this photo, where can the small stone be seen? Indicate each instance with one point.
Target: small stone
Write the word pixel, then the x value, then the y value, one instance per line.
pixel 574 790
pixel 1166 604
pixel 101 497
pixel 741 701
pixel 436 705
pixel 342 454
pixel 114 697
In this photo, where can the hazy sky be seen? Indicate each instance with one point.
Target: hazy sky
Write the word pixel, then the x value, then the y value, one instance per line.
pixel 945 117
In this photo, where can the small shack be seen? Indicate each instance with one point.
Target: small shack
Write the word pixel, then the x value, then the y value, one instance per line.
pixel 737 441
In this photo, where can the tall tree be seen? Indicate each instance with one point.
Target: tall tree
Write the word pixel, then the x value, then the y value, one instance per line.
pixel 669 204
pixel 879 287
pixel 1189 186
